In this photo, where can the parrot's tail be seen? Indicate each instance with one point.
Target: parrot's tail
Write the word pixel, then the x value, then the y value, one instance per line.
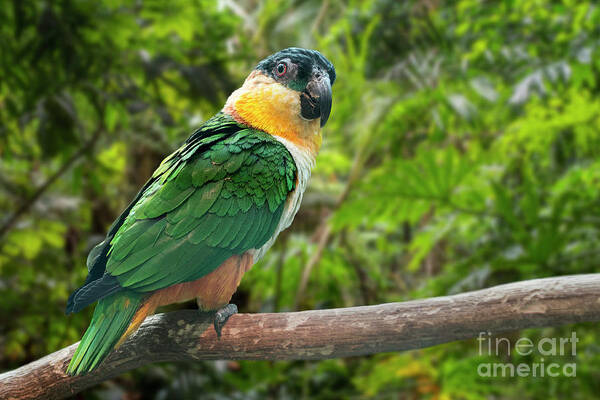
pixel 112 316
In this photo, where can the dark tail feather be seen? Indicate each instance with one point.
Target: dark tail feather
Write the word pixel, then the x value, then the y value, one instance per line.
pixel 91 292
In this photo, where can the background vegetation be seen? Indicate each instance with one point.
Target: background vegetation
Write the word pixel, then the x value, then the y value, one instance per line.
pixel 462 152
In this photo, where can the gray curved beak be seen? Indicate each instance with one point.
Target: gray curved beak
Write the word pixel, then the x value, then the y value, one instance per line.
pixel 315 100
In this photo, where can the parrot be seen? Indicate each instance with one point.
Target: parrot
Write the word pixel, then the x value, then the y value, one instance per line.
pixel 212 208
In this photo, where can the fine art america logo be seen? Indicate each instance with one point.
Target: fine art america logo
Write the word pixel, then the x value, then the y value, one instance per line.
pixel 545 347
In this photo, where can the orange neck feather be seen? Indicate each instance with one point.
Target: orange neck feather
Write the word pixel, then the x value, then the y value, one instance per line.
pixel 264 104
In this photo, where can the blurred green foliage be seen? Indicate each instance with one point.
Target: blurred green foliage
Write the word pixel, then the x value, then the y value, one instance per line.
pixel 462 152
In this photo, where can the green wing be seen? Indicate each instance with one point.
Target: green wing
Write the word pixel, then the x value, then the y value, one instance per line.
pixel 215 197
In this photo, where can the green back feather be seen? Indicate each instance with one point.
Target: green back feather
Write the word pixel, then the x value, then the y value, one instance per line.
pixel 212 199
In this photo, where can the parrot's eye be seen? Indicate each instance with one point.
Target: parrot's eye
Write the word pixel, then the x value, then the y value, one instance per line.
pixel 281 69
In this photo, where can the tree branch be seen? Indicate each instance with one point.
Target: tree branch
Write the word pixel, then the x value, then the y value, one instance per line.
pixel 321 334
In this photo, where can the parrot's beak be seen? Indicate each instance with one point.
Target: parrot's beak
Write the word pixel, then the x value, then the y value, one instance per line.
pixel 315 100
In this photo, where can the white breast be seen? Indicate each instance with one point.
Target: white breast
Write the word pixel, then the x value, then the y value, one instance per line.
pixel 305 161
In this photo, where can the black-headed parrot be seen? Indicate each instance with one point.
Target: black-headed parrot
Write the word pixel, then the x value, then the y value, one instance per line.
pixel 212 208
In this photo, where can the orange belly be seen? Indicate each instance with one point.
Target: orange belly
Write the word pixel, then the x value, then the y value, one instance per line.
pixel 212 291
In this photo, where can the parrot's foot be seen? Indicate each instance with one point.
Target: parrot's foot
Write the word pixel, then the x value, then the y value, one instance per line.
pixel 222 315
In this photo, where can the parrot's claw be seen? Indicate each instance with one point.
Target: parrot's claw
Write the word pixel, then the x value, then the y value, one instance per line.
pixel 222 315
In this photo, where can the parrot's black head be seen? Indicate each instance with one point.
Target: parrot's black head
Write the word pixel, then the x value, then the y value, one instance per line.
pixel 307 72
pixel 287 95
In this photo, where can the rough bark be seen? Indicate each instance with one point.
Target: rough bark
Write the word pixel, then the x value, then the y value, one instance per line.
pixel 321 334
